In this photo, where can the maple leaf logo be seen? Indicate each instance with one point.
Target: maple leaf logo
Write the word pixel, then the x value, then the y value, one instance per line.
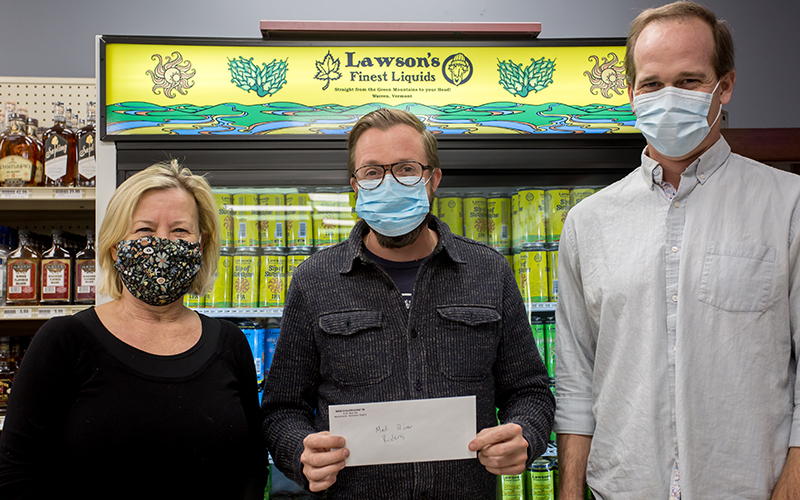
pixel 328 69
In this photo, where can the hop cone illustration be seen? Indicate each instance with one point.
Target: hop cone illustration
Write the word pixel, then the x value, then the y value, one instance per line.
pixel 518 81
pixel 264 81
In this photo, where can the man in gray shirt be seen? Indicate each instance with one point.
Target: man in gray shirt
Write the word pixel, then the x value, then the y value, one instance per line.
pixel 403 310
pixel 678 328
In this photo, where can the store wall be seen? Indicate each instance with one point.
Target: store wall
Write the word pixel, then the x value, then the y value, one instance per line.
pixel 48 38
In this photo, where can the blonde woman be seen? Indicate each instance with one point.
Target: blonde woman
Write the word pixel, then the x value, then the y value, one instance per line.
pixel 140 397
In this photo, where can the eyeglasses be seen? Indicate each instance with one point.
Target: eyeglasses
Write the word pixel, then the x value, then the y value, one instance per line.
pixel 407 173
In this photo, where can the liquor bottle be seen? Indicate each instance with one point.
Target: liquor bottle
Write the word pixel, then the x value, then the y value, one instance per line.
pixel 24 272
pixel 19 155
pixel 85 272
pixel 4 251
pixel 33 133
pixel 56 272
pixel 87 164
pixel 60 156
pixel 6 373
pixel 10 107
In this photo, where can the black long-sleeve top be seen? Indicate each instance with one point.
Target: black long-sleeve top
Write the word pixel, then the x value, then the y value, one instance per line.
pixel 347 337
pixel 92 416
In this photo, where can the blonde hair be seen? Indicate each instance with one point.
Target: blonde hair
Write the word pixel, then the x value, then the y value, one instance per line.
pixel 384 119
pixel 119 217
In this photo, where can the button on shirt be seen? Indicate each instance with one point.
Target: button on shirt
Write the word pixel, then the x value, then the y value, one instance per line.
pixel 676 323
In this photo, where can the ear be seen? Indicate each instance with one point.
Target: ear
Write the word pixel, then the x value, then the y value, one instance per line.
pixel 436 177
pixel 630 96
pixel 726 87
pixel 354 185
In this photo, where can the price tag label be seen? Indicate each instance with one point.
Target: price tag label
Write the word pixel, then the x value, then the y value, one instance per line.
pixel 16 313
pixel 68 193
pixel 51 312
pixel 15 193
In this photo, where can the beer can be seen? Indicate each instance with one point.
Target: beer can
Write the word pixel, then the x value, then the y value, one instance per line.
pixel 552 273
pixel 540 480
pixel 271 221
pixel 511 487
pixel 272 285
pixel 498 213
pixel 475 219
pixel 516 228
pixel 537 328
pixel 271 340
pixel 299 228
pixel 531 216
pixel 325 217
pixel 255 338
pixel 224 200
pixel 245 217
pixel 533 274
pixel 550 344
pixel 451 212
pixel 245 279
pixel 510 258
pixel 222 291
pixel 556 203
pixel 295 257
pixel 554 462
pixel 348 217
pixel 579 194
pixel 193 301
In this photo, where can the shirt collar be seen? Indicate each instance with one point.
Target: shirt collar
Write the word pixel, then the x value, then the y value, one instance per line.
pixel 445 246
pixel 702 168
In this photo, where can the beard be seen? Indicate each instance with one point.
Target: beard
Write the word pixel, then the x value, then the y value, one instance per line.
pixel 404 239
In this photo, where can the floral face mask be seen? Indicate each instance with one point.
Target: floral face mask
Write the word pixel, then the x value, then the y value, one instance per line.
pixel 158 271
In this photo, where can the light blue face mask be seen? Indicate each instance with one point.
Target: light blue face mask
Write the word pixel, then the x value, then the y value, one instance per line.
pixel 674 120
pixel 392 209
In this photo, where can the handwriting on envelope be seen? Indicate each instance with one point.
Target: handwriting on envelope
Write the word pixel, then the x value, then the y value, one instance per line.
pixel 419 430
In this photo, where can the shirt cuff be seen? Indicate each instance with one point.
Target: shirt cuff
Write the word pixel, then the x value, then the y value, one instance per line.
pixel 574 416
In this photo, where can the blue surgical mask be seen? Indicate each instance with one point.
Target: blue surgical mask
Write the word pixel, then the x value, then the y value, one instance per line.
pixel 392 209
pixel 674 120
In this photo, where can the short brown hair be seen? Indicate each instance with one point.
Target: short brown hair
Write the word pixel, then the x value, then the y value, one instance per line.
pixel 723 41
pixel 118 219
pixel 384 119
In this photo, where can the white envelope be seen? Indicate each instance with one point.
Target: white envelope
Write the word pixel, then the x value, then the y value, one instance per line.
pixel 418 430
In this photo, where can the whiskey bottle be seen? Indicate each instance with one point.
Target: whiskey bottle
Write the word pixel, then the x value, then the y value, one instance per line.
pixel 87 165
pixel 56 272
pixel 24 272
pixel 33 133
pixel 85 272
pixel 10 107
pixel 60 156
pixel 19 155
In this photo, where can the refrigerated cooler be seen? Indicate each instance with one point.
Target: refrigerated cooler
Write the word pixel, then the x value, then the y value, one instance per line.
pixel 527 127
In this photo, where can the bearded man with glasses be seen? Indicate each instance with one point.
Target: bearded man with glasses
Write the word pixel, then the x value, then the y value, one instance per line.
pixel 404 310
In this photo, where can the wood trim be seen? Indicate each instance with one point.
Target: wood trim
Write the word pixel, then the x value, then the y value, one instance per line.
pixel 380 30
pixel 765 144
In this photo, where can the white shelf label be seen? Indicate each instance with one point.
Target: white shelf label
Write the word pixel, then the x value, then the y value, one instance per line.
pixel 17 313
pixel 51 312
pixel 68 193
pixel 15 193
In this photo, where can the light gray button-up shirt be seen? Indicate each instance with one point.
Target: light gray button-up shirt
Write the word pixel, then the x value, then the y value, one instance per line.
pixel 678 329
